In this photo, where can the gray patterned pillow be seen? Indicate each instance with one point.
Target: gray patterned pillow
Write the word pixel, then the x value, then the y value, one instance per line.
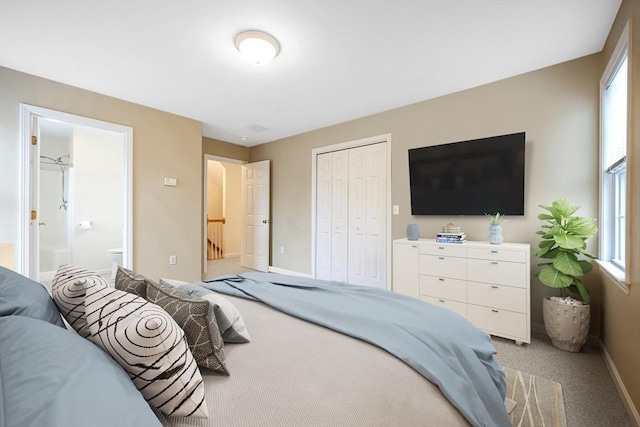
pixel 68 290
pixel 197 318
pixel 128 281
pixel 150 347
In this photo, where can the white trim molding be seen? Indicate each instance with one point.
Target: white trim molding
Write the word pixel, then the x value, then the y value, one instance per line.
pixel 288 272
pixel 27 112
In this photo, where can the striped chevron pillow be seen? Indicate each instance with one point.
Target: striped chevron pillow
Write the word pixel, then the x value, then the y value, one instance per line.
pixel 68 292
pixel 151 348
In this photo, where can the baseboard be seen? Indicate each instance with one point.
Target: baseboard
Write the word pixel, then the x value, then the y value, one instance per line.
pixel 622 390
pixel 288 272
pixel 236 255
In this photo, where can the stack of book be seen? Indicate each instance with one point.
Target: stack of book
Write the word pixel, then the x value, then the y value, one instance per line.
pixel 445 237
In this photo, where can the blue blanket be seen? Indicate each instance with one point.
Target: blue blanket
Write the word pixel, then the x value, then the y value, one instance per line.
pixel 439 344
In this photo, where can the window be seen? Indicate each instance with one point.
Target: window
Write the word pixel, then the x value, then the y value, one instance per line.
pixel 613 149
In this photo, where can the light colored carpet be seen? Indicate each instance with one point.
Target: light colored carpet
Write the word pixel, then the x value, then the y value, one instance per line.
pixel 540 401
pixel 590 397
pixel 223 266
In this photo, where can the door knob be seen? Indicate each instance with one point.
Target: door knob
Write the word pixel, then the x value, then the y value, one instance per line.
pixel 266 221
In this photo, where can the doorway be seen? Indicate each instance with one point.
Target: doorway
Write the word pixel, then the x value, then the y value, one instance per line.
pixel 77 204
pixel 222 215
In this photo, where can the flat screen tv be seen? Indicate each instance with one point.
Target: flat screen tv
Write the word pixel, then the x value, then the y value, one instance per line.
pixel 472 177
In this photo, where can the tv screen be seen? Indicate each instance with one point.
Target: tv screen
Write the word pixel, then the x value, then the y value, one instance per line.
pixel 469 178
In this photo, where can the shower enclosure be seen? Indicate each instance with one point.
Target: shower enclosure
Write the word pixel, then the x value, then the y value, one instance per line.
pixel 55 221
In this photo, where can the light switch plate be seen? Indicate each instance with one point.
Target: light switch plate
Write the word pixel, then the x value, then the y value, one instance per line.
pixel 396 210
pixel 170 182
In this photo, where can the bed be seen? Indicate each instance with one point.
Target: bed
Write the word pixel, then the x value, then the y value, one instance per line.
pixel 293 372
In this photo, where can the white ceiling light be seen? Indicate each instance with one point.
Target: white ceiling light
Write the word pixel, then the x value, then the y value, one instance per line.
pixel 257 47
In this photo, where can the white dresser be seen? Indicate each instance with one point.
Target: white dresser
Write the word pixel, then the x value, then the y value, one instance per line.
pixel 487 284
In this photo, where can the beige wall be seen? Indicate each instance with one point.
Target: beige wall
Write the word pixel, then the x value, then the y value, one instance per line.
pixel 558 109
pixel 224 149
pixel 215 173
pixel 166 220
pixel 621 312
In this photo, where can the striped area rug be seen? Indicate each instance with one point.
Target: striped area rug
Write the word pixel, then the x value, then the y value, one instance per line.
pixel 539 401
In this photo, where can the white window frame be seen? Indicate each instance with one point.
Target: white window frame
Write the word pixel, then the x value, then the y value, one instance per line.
pixel 611 234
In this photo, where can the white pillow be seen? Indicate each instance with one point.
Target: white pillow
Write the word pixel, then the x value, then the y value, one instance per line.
pixel 173 282
pixel 150 346
pixel 68 292
pixel 230 322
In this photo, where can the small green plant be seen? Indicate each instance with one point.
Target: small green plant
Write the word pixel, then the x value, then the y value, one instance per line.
pixel 564 237
pixel 495 219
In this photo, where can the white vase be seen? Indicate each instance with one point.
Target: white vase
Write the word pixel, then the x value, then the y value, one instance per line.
pixel 567 325
pixel 495 234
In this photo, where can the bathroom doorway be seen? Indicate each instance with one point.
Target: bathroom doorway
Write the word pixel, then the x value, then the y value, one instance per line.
pixel 78 204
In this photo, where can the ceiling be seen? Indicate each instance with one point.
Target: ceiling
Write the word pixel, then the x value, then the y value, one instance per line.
pixel 339 60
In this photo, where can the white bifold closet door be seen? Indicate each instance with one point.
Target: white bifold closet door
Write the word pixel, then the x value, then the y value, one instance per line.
pixel 351 216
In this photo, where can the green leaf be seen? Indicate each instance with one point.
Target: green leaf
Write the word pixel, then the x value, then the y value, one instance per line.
pixel 567 241
pixel 551 254
pixel 585 253
pixel 584 293
pixel 568 264
pixel 543 217
pixel 553 278
pixel 586 266
pixel 561 208
pixel 545 263
pixel 545 246
pixel 548 244
pixel 548 208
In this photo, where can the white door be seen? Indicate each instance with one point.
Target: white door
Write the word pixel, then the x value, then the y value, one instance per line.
pixel 340 216
pixel 34 200
pixel 324 183
pixel 332 216
pixel 367 238
pixel 256 223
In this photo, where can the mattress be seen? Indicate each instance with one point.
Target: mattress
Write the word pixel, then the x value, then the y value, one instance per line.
pixel 296 373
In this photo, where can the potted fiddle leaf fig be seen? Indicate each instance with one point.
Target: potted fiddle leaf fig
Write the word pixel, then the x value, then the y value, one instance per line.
pixel 566 260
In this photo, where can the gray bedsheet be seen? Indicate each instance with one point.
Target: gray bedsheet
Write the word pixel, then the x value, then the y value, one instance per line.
pixel 295 373
pixel 440 345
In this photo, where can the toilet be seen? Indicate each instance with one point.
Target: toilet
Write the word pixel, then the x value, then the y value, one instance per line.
pixel 115 255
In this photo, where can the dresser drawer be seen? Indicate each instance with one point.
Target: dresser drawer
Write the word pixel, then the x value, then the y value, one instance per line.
pixel 441 287
pixel 443 266
pixel 498 322
pixel 455 306
pixel 495 254
pixel 497 296
pixel 496 272
pixel 449 249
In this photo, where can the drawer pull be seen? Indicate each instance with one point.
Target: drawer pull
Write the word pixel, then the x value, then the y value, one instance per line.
pixel 494 287
pixel 441 300
pixel 495 311
pixel 494 262
pixel 494 252
pixel 441 247
pixel 414 246
pixel 441 279
pixel 440 257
